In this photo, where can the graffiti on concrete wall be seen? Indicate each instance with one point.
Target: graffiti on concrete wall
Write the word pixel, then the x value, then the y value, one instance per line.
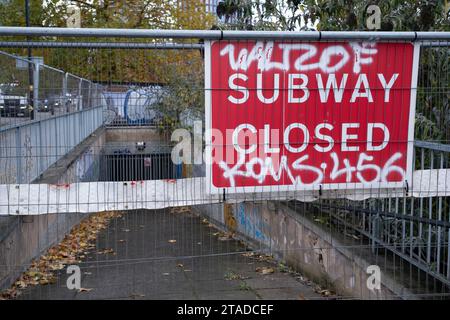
pixel 84 165
pixel 29 163
pixel 252 223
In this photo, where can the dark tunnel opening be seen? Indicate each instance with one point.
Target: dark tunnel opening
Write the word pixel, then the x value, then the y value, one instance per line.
pixel 129 167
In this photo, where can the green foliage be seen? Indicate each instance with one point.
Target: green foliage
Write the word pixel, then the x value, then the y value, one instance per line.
pixel 183 95
pixel 180 71
pixel 396 15
pixel 426 129
pixel 409 15
pixel 336 15
pixel 13 13
pixel 150 14
pixel 260 15
pixel 162 14
pixel 433 95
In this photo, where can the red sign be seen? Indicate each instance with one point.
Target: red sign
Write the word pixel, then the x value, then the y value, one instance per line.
pixel 309 115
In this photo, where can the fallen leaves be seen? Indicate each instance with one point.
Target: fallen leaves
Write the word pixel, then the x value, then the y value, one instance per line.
pixel 265 270
pixel 324 292
pixel 106 251
pixel 224 236
pixel 21 284
pixel 231 275
pixel 259 256
pixel 56 266
pixel 84 289
pixel 47 281
pixel 9 294
pixel 70 250
pixel 180 210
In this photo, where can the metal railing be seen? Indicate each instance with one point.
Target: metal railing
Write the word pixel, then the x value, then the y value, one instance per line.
pixel 52 92
pixel 224 34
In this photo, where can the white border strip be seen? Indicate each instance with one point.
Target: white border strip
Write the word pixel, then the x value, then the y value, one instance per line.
pixel 38 199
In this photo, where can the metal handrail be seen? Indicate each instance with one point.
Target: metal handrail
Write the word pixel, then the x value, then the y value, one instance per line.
pixel 223 34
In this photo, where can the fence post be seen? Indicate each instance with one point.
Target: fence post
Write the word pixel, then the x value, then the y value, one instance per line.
pixel 41 152
pixel 64 90
pixel 79 99
pixel 36 76
pixel 89 100
pixel 18 156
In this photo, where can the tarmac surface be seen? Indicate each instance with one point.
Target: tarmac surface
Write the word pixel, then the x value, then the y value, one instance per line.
pixel 11 121
pixel 6 121
pixel 161 254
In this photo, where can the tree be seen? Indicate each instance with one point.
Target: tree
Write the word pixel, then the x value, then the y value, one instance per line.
pixel 261 15
pixel 179 71
pixel 152 14
pixel 182 99
pixel 396 15
pixel 338 15
pixel 112 65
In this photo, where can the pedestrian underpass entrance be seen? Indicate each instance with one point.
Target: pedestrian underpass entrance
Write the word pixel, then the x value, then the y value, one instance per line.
pixel 150 226
pixel 123 166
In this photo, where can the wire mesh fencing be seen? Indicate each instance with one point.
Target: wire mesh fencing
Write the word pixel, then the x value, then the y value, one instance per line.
pixel 111 146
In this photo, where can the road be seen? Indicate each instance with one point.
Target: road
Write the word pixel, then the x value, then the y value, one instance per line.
pixel 8 121
pixel 172 255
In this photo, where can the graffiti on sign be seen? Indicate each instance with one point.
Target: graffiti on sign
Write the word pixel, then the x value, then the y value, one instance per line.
pixel 304 116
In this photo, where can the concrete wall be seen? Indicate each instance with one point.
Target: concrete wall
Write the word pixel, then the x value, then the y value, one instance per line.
pixel 27 237
pixel 123 135
pixel 325 258
pixel 29 149
pixel 86 165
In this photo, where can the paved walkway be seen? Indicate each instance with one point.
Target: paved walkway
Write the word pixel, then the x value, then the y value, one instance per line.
pixel 167 255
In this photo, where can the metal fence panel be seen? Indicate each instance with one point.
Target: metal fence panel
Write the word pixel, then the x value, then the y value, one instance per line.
pixel 139 97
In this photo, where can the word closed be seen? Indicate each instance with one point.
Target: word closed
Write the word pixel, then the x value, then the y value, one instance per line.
pixel 309 116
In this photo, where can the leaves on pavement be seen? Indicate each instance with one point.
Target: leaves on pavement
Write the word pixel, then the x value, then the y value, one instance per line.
pixel 265 270
pixel 70 250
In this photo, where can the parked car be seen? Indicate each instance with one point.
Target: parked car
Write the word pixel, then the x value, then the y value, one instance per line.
pixel 49 105
pixel 72 102
pixel 45 106
pixel 59 103
pixel 13 104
